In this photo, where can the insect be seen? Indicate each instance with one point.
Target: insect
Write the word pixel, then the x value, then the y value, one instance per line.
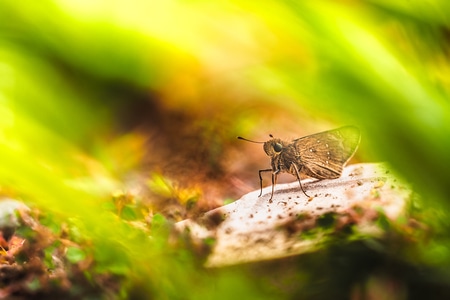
pixel 322 155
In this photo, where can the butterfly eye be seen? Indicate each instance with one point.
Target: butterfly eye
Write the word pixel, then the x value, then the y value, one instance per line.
pixel 277 147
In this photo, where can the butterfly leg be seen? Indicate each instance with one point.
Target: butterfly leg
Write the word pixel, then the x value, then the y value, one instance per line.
pixel 260 179
pixel 274 182
pixel 297 172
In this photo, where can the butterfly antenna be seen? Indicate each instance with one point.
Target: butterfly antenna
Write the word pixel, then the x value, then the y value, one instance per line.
pixel 241 138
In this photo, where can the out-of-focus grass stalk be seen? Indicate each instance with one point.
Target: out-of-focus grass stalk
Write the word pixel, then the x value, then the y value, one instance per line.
pixel 405 115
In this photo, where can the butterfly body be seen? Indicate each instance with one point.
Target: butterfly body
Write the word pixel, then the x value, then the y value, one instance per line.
pixel 282 161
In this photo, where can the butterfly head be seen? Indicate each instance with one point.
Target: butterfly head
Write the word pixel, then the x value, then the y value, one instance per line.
pixel 273 146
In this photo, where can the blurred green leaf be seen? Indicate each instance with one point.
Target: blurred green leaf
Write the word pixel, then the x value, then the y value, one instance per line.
pixel 75 254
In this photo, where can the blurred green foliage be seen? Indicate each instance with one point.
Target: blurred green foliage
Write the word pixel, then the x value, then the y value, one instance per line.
pixel 68 69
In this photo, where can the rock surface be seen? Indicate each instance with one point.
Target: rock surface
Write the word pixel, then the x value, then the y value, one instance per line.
pixel 254 228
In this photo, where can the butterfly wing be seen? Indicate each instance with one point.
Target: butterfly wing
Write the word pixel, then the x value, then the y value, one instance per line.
pixel 323 155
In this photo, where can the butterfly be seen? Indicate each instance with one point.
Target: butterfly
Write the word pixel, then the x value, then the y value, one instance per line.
pixel 322 155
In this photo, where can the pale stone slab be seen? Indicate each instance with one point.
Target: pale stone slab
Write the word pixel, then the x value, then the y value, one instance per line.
pixel 254 228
